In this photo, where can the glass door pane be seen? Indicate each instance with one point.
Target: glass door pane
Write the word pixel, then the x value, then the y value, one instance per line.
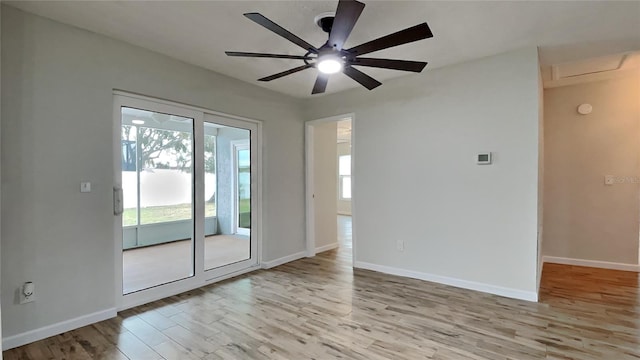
pixel 157 182
pixel 224 244
pixel 243 188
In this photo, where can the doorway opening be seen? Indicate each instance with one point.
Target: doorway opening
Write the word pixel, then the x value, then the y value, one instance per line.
pixel 345 223
pixel 329 180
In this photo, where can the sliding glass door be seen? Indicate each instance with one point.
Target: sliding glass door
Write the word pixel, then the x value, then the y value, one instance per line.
pixel 184 197
pixel 232 245
pixel 157 184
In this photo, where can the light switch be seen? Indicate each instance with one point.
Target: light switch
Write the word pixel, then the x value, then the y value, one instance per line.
pixel 609 179
pixel 85 187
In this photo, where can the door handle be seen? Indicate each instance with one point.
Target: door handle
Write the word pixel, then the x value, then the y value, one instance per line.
pixel 118 207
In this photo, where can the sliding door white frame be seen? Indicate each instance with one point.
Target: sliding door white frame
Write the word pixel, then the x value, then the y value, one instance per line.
pixel 200 277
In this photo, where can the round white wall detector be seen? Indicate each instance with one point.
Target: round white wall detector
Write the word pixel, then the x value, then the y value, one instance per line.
pixel 585 109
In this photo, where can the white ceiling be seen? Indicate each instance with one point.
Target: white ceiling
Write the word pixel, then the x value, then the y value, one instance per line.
pixel 200 32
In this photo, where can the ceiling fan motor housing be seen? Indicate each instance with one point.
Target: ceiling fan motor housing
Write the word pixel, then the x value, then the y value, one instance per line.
pixel 326 24
pixel 325 21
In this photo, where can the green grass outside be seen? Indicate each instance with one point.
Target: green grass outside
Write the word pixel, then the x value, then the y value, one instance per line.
pixel 245 213
pixel 159 214
pixel 245 205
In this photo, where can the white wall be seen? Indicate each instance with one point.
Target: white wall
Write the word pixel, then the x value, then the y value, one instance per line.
pixel 584 218
pixel 57 130
pixel 415 178
pixel 344 205
pixel 325 170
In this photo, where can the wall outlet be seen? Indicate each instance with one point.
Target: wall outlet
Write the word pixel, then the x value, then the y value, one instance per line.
pixel 400 245
pixel 85 187
pixel 609 179
pixel 27 292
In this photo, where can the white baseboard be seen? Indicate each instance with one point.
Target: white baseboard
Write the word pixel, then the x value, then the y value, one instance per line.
pixel 326 247
pixel 283 260
pixel 55 329
pixel 591 263
pixel 465 284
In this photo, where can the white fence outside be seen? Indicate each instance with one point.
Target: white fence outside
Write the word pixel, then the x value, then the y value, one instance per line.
pixel 162 187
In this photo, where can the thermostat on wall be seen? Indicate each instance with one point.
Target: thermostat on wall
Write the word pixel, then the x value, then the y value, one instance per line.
pixel 484 158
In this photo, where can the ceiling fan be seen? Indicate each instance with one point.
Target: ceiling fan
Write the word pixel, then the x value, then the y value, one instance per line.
pixel 331 57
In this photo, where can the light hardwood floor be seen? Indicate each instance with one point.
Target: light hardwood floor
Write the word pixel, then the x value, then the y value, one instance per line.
pixel 319 308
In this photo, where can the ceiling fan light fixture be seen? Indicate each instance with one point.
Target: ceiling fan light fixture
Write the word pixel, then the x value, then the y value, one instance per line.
pixel 332 57
pixel 330 64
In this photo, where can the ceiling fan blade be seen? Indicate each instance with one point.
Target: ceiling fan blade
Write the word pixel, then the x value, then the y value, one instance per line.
pixel 262 55
pixel 405 36
pixel 404 65
pixel 364 79
pixel 347 14
pixel 285 73
pixel 262 20
pixel 321 83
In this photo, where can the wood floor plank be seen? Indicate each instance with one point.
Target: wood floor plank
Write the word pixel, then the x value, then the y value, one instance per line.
pixel 157 320
pixel 170 350
pixel 191 341
pixel 144 331
pixel 134 348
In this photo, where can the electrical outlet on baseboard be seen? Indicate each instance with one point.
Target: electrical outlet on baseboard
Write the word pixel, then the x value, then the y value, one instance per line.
pixel 27 292
pixel 609 180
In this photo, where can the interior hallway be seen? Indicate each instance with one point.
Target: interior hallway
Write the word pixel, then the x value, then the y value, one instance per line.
pixel 345 239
